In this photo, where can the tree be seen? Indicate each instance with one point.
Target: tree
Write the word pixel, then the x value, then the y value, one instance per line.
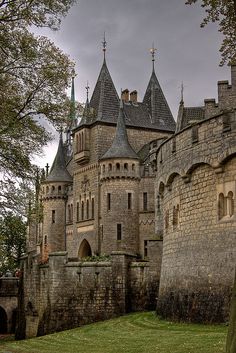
pixel 223 12
pixel 12 241
pixel 34 75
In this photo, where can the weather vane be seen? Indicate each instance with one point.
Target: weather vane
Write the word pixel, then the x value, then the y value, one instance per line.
pixel 153 51
pixel 87 89
pixel 104 45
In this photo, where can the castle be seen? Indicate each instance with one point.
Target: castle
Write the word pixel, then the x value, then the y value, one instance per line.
pixel 134 204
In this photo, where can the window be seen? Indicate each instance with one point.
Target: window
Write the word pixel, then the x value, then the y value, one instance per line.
pixel 87 209
pixel 173 145
pixel 108 202
pixel 118 231
pixel 77 212
pixel 145 248
pixel 145 201
pixel 194 133
pixel 82 210
pixel 117 166
pixel 129 201
pixel 45 240
pixel 92 213
pixel 110 167
pixel 226 205
pixel 126 166
pixel 226 123
pixel 167 219
pixel 53 189
pixel 59 189
pixel 133 167
pixel 175 216
pixel 53 216
pixel 71 213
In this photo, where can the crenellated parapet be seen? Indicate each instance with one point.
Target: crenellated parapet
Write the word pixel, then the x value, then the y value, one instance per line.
pixel 119 168
pixel 210 142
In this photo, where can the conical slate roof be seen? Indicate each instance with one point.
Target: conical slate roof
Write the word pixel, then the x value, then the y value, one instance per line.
pixel 120 147
pixel 105 100
pixel 157 105
pixel 58 172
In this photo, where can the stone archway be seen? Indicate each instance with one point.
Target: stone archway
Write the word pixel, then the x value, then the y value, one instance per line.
pixel 84 249
pixel 3 321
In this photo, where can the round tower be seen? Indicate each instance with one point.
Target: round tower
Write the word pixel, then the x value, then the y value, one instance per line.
pixel 53 196
pixel 119 177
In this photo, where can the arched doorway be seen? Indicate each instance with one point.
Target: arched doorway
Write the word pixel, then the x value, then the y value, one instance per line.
pixel 3 321
pixel 84 249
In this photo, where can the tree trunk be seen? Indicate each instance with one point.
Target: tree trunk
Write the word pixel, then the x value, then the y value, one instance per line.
pixel 231 337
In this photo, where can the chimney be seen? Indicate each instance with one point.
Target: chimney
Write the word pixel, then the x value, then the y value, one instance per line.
pixel 233 77
pixel 134 96
pixel 125 95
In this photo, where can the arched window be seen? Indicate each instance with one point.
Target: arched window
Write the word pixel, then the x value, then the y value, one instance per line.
pixel 103 168
pixel 82 141
pixel 82 210
pixel 59 189
pixel 117 166
pixel 87 209
pixel 77 212
pixel 126 166
pixel 92 215
pixel 53 189
pixel 110 167
pixel 133 167
pixel 47 189
pixel 230 204
pixel 71 213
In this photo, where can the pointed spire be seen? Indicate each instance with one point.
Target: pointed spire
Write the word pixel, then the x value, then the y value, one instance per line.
pixel 72 100
pixel 87 95
pixel 156 103
pixel 120 147
pixel 104 100
pixel 58 172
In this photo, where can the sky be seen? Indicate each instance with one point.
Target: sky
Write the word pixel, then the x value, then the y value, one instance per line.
pixel 185 52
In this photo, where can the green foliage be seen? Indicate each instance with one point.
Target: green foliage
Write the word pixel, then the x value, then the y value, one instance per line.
pixel 34 75
pixel 12 241
pixel 134 333
pixel 97 258
pixel 223 12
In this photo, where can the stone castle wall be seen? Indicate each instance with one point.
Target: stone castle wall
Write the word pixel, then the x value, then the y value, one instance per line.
pixel 8 303
pixel 64 294
pixel 196 170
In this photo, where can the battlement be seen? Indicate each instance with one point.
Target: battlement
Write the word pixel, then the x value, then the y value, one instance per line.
pixel 119 168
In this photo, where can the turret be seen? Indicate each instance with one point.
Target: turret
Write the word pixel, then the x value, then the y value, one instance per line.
pixel 119 177
pixel 53 196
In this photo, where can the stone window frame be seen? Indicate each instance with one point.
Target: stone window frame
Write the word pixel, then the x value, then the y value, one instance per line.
pixel 226 206
pixel 129 201
pixel 145 201
pixel 108 201
pixel 118 231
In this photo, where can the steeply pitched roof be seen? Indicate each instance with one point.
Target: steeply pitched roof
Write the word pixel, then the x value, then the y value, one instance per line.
pixel 120 147
pixel 58 172
pixel 104 106
pixel 189 115
pixel 157 105
pixel 105 100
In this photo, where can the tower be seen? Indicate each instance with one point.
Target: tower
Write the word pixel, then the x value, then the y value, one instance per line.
pixel 120 176
pixel 53 197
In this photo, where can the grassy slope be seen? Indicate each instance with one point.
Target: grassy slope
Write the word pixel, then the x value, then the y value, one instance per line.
pixel 134 333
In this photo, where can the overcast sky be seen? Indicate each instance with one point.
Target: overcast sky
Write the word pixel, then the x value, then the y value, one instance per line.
pixel 185 52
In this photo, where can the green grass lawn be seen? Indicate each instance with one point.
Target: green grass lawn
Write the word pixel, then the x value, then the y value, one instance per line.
pixel 134 333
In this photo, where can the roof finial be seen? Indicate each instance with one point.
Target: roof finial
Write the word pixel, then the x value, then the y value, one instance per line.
pixel 104 45
pixel 182 93
pixel 153 51
pixel 87 90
